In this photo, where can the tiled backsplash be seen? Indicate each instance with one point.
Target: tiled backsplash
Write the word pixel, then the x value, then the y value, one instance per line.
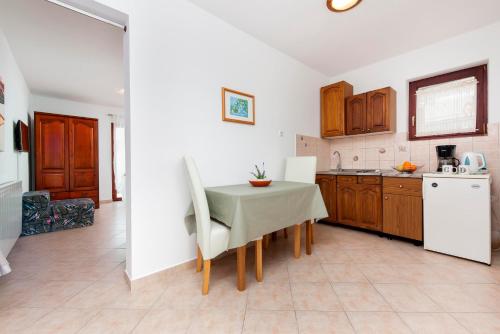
pixel 388 150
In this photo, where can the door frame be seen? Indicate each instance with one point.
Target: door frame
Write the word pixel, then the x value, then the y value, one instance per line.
pixel 114 193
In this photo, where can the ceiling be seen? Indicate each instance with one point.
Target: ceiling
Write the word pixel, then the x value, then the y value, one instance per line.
pixel 334 43
pixel 64 54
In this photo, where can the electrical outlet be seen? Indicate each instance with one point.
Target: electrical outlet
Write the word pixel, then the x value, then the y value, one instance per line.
pixel 281 133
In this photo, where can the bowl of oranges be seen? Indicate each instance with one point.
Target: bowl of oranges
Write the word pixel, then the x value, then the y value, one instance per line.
pixel 406 167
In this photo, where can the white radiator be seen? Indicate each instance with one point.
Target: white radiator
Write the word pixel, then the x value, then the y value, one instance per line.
pixel 10 215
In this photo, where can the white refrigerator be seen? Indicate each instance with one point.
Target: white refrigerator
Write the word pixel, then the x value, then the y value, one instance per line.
pixel 457 215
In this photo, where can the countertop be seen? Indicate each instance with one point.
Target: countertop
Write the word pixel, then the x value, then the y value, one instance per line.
pixel 384 173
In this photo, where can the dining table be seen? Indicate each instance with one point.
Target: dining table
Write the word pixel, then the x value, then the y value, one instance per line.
pixel 253 212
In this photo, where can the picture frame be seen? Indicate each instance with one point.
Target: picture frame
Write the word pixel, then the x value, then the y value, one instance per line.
pixel 238 107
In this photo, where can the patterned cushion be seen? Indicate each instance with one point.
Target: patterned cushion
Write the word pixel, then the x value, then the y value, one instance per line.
pixel 41 215
pixel 71 213
pixel 36 212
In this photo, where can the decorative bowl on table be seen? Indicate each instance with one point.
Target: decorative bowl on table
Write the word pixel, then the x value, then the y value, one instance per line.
pixel 260 183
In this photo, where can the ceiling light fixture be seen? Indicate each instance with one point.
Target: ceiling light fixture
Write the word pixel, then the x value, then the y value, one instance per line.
pixel 341 5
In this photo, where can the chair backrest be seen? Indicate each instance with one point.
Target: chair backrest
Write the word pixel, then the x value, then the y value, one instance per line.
pixel 301 169
pixel 200 204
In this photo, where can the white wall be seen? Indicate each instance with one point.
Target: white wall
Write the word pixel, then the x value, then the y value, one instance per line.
pixel 180 57
pixel 471 48
pixel 72 108
pixel 13 165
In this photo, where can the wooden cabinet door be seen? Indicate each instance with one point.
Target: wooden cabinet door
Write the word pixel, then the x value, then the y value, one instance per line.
pixel 356 114
pixel 403 216
pixel 369 206
pixel 346 204
pixel 51 152
pixel 380 110
pixel 333 108
pixel 328 186
pixel 83 151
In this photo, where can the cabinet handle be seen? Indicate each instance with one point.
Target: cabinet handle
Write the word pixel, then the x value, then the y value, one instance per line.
pixel 400 186
pixel 368 130
pixel 386 198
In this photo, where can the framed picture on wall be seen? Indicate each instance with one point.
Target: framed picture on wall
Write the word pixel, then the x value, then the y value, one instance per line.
pixel 238 107
pixel 2 115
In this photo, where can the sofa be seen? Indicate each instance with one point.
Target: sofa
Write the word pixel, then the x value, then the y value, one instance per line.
pixel 41 215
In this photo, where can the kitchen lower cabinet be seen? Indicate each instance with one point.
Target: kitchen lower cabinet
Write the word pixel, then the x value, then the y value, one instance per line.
pixel 328 187
pixel 359 201
pixel 403 208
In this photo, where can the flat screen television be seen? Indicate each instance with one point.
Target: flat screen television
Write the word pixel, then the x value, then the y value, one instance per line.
pixel 21 137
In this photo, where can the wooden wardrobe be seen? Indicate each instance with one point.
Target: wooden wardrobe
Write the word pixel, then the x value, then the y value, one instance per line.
pixel 67 156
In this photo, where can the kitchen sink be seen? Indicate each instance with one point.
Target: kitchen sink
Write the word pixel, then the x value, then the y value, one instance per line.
pixel 356 171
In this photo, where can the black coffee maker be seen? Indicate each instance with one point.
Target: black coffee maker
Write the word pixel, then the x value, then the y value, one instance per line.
pixel 446 156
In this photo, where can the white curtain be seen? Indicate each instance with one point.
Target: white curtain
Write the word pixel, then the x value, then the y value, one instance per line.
pixel 119 149
pixel 4 265
pixel 447 108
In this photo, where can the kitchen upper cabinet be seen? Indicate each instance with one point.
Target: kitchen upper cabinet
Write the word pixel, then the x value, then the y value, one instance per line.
pixel 328 187
pixel 381 110
pixel 369 206
pixel 403 208
pixel 356 114
pixel 333 108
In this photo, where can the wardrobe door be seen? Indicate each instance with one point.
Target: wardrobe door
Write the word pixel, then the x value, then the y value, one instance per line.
pixel 83 155
pixel 51 152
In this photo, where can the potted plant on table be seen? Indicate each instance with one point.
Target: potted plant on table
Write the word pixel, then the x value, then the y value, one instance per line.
pixel 260 177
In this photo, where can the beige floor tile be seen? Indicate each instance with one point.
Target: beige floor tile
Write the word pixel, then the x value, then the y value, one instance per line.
pixel 98 295
pixel 113 321
pixel 381 273
pixel 313 322
pixel 344 273
pixel 62 321
pixel 360 297
pixel 418 274
pixel 487 295
pixel 225 295
pixel 275 322
pixel 217 321
pixel 300 272
pixel 465 272
pixel 406 298
pixel 54 293
pixel 315 297
pixel 270 296
pixel 183 295
pixel 480 323
pixel 453 298
pixel 328 254
pixel 377 323
pixel 432 323
pixel 168 321
pixel 365 256
pixel 15 319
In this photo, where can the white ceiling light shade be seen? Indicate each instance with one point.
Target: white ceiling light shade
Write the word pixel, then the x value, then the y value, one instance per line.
pixel 341 5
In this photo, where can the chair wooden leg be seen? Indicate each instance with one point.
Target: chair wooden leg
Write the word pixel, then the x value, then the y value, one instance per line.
pixel 285 233
pixel 206 277
pixel 199 260
pixel 312 233
pixel 274 236
pixel 258 260
pixel 296 246
pixel 265 239
pixel 308 237
pixel 241 267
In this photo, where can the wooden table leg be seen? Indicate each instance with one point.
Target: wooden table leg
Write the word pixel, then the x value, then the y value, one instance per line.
pixel 296 246
pixel 308 237
pixel 258 260
pixel 266 241
pixel 241 267
pixel 274 236
pixel 312 232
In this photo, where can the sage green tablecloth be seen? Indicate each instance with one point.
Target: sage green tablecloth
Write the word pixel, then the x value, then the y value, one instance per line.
pixel 252 212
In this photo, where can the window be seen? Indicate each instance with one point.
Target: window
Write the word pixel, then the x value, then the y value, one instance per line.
pixel 449 105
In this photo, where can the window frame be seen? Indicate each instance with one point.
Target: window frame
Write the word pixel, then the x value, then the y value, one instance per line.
pixel 480 73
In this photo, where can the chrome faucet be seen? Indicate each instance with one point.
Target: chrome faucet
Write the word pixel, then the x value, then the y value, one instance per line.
pixel 339 161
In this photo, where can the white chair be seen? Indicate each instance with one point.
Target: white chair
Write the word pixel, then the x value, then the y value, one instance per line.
pixel 213 237
pixel 301 169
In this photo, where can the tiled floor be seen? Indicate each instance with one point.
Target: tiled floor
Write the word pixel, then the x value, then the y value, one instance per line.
pixel 355 282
